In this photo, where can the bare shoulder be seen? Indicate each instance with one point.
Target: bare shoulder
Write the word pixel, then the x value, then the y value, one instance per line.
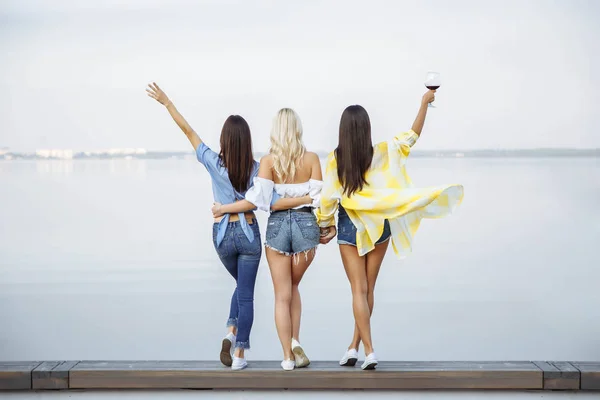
pixel 267 160
pixel 312 160
pixel 265 170
pixel 312 157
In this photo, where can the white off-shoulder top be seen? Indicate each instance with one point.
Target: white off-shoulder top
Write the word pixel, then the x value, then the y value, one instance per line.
pixel 265 191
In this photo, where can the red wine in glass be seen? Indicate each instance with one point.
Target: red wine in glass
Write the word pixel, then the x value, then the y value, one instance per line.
pixel 432 82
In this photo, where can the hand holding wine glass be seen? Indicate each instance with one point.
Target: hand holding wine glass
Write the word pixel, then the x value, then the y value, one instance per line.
pixel 433 82
pixel 429 97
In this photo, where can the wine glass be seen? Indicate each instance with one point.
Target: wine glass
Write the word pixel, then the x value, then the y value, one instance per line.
pixel 432 82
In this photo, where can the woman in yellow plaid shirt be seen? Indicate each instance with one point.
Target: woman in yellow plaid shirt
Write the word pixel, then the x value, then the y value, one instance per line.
pixel 375 199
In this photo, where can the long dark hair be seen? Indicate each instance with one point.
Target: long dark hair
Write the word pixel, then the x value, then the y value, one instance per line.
pixel 236 152
pixel 355 149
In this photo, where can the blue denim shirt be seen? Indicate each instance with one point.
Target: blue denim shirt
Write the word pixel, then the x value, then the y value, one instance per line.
pixel 223 191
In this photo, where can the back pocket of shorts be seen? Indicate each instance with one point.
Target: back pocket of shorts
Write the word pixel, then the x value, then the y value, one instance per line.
pixel 309 229
pixel 273 227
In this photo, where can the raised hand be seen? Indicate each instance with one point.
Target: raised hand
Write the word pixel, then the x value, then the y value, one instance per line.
pixel 428 97
pixel 157 94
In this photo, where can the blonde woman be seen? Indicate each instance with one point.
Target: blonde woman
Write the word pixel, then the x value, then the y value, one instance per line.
pixel 292 175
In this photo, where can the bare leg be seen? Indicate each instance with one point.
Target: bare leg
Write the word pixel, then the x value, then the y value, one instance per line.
pixel 296 312
pixel 374 260
pixel 356 270
pixel 298 271
pixel 281 274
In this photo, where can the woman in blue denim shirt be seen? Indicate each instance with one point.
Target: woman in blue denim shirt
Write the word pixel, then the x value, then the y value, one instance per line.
pixel 236 237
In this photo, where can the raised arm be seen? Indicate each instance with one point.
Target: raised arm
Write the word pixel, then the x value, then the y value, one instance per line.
pixel 417 126
pixel 157 94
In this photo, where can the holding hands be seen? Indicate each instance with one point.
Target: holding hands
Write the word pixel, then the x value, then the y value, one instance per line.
pixel 327 234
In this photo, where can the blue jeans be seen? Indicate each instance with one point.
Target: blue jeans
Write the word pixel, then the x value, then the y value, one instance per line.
pixel 347 230
pixel 241 258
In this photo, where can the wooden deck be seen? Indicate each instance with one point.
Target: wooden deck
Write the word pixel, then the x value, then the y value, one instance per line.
pixel 500 375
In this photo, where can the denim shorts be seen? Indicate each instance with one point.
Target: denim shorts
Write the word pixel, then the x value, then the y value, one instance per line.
pixel 291 232
pixel 347 230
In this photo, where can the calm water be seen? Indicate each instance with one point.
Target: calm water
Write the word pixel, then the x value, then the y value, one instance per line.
pixel 113 260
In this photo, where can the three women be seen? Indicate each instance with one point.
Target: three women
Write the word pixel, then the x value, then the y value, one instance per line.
pixel 367 185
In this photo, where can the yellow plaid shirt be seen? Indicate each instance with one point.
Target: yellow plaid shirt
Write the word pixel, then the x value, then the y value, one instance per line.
pixel 389 194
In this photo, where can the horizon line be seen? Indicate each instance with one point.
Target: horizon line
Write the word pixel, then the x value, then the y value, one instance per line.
pixel 6 150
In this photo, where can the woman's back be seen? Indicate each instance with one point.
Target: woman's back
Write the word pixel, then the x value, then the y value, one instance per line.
pixel 288 171
pixel 305 167
pixel 307 178
pixel 386 171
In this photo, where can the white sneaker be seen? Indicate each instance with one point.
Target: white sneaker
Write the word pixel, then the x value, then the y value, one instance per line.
pixel 288 365
pixel 370 362
pixel 238 363
pixel 227 344
pixel 301 358
pixel 350 358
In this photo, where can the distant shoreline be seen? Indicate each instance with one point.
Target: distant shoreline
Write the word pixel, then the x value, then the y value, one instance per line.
pixel 158 155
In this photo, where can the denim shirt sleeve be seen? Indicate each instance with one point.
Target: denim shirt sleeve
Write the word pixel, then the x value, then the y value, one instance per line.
pixel 206 156
pixel 275 197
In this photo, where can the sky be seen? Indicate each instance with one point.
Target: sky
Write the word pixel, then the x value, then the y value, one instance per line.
pixel 514 74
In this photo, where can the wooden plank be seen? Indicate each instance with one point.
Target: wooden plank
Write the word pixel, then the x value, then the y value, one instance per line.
pixel 320 375
pixel 52 375
pixel 559 375
pixel 550 372
pixel 40 376
pixel 590 374
pixel 16 375
pixel 570 377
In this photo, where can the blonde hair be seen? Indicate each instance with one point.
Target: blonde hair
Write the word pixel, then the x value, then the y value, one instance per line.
pixel 287 148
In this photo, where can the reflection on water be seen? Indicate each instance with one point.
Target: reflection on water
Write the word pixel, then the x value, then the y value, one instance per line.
pixel 113 166
pixel 57 168
pixel 113 259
